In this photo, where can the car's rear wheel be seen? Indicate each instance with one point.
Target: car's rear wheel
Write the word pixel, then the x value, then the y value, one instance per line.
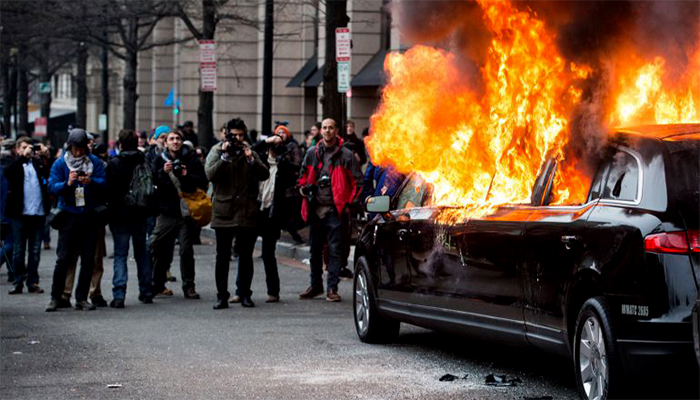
pixel 595 352
pixel 370 325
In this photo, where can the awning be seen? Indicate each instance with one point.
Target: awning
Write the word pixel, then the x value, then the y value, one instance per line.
pixel 317 78
pixel 305 72
pixel 372 74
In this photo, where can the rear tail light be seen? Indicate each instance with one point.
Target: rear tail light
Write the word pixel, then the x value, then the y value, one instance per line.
pixel 680 242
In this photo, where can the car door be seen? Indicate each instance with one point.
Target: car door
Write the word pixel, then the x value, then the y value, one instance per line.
pixel 392 238
pixel 554 244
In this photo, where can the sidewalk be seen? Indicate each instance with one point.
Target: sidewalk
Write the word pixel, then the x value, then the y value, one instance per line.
pixel 286 247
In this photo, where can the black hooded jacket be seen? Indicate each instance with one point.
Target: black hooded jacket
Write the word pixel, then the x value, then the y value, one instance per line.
pixel 168 198
pixel 120 170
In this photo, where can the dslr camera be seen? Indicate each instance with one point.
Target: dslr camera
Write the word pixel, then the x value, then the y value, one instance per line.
pixel 177 167
pixel 311 190
pixel 235 147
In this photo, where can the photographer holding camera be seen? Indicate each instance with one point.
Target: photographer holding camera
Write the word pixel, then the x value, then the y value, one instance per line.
pixel 27 206
pixel 176 162
pixel 77 178
pixel 330 180
pixel 235 170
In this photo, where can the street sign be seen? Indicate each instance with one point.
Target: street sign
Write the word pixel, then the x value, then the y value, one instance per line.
pixel 343 76
pixel 44 87
pixel 342 44
pixel 40 126
pixel 207 73
pixel 207 51
pixel 102 122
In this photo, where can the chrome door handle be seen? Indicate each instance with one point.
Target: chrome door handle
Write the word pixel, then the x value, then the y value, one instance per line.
pixel 569 240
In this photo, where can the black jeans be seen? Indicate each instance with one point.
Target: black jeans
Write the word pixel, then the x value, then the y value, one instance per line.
pixel 78 236
pixel 163 245
pixel 269 230
pixel 328 229
pixel 245 243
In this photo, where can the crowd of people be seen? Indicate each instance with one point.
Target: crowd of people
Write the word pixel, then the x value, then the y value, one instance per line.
pixel 257 187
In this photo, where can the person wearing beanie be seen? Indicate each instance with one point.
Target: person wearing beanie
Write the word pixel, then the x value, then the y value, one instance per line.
pixel 76 179
pixel 176 164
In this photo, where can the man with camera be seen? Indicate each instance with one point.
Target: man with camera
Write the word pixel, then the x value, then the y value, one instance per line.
pixel 330 180
pixel 27 206
pixel 177 164
pixel 235 171
pixel 77 179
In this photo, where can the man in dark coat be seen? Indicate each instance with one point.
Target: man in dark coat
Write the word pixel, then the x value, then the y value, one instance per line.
pixel 27 206
pixel 235 170
pixel 178 163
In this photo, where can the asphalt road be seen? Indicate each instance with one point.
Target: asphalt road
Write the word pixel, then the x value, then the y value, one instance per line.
pixel 182 349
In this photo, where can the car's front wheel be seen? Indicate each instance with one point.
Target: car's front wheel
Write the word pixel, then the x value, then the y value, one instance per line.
pixel 595 352
pixel 370 325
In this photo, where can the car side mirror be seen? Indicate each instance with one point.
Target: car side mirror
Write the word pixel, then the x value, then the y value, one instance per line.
pixel 378 204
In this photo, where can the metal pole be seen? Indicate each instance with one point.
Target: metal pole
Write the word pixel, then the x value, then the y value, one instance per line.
pixel 105 88
pixel 267 68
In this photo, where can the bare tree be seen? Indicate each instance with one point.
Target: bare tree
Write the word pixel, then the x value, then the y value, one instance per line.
pixel 210 13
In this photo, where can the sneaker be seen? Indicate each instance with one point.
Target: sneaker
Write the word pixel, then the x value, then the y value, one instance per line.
pixel 145 299
pixel 84 305
pixel 191 294
pixel 35 289
pixel 98 301
pixel 117 303
pixel 272 299
pixel 333 295
pixel 345 273
pixel 63 303
pixel 53 305
pixel 235 299
pixel 165 292
pixel 220 304
pixel 310 292
pixel 247 302
pixel 16 290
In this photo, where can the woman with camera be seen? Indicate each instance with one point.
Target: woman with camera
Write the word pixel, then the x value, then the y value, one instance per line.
pixel 177 163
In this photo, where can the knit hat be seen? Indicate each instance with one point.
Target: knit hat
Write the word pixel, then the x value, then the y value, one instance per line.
pixel 161 130
pixel 77 137
pixel 283 130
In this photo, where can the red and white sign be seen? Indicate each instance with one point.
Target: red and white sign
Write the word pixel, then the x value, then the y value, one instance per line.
pixel 207 51
pixel 342 44
pixel 207 73
pixel 40 126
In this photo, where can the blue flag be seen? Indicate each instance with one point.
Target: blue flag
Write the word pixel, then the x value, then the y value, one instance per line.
pixel 171 98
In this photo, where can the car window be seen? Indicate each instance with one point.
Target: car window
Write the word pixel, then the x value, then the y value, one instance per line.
pixel 598 180
pixel 413 194
pixel 623 178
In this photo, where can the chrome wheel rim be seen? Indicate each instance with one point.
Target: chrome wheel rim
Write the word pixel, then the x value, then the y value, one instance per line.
pixel 593 360
pixel 361 304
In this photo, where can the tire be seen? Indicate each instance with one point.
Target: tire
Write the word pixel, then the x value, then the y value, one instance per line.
pixel 598 372
pixel 371 327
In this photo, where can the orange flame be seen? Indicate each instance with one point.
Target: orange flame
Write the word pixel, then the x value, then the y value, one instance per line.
pixel 644 99
pixel 481 151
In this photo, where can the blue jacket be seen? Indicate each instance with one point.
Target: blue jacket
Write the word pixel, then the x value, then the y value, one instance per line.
pixel 58 186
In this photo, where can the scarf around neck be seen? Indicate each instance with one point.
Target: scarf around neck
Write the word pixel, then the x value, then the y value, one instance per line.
pixel 83 163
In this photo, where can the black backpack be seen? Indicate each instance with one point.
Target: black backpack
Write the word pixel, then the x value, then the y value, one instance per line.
pixel 142 189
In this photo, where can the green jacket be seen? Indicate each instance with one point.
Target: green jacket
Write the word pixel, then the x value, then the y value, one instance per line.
pixel 236 183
